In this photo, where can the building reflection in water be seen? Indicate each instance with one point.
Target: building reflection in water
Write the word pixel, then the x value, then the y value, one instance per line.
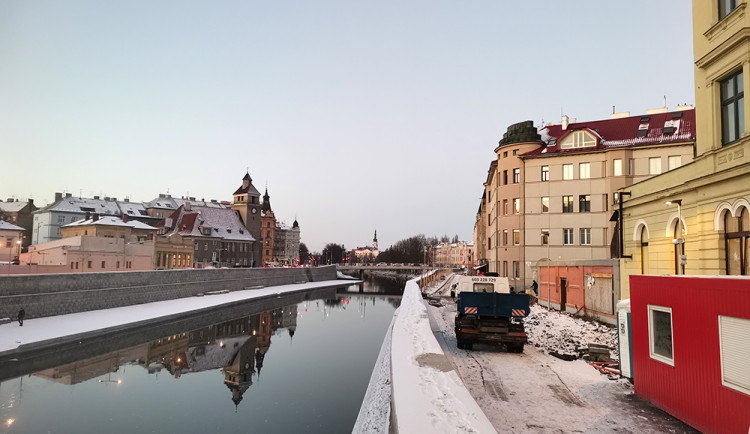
pixel 237 347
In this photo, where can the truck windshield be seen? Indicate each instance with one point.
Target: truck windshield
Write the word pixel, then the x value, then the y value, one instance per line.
pixel 484 287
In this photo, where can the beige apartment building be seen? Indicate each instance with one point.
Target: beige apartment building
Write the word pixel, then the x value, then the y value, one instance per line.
pixel 552 195
pixel 694 220
pixel 454 254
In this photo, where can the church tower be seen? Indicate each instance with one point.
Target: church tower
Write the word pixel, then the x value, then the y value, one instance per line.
pixel 375 240
pixel 247 203
pixel 268 229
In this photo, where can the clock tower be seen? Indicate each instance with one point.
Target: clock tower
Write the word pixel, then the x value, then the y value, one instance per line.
pixel 247 203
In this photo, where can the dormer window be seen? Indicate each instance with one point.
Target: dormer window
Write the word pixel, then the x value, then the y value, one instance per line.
pixel 726 7
pixel 578 139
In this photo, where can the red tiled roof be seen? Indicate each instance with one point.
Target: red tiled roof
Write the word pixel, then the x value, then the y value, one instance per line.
pixel 623 132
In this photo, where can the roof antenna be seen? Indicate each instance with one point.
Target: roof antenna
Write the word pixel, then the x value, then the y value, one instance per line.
pixel 665 101
pixel 613 110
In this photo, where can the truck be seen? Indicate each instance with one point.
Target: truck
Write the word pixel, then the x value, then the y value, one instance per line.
pixel 487 311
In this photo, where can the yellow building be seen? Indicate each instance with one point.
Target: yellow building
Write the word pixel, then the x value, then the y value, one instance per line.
pixel 704 229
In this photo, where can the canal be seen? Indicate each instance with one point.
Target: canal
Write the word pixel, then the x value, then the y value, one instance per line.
pixel 294 364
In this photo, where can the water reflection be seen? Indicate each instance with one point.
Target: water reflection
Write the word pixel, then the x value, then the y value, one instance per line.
pixel 331 363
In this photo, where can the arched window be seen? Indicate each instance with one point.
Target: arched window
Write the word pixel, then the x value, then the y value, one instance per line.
pixel 578 139
pixel 736 234
pixel 644 250
pixel 679 248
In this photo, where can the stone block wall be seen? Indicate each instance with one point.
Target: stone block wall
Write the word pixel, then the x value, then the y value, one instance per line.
pixel 58 294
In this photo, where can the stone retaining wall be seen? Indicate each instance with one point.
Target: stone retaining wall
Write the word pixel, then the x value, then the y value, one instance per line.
pixel 57 294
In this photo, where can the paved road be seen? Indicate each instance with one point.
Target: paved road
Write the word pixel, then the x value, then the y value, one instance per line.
pixel 535 392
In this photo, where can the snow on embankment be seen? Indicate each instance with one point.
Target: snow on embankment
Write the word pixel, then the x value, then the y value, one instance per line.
pixel 560 333
pixel 427 394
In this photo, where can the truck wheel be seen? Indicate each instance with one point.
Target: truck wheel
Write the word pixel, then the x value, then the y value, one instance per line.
pixel 460 343
pixel 515 348
pixel 468 345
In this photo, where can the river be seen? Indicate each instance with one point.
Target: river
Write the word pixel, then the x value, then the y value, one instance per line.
pixel 302 366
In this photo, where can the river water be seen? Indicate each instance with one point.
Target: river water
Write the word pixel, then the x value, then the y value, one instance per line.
pixel 280 366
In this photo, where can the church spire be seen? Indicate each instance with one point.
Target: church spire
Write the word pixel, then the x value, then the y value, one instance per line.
pixel 266 202
pixel 375 239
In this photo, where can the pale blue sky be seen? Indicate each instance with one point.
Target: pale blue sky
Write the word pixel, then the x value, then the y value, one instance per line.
pixel 359 115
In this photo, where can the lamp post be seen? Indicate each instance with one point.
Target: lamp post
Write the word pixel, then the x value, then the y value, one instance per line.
pixel 679 242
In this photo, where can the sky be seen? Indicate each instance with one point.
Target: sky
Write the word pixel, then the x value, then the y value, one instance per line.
pixel 357 116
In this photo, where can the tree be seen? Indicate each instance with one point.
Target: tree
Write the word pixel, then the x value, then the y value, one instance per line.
pixel 409 250
pixel 333 253
pixel 304 254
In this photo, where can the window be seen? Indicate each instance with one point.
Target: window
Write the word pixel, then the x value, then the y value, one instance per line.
pixel 61 219
pixel 545 204
pixel 567 171
pixel 584 170
pixel 605 205
pixel 631 166
pixel 505 268
pixel 725 7
pixel 732 108
pixel 660 334
pixel 489 242
pixel 584 203
pixel 505 154
pixel 505 206
pixel 567 204
pixel 118 264
pixel 679 248
pixel 515 152
pixel 517 206
pixel 88 264
pixel 585 236
pixel 674 161
pixel 516 176
pixel 516 237
pixel 654 165
pixel 505 237
pixel 516 270
pixel 71 265
pixel 103 264
pixel 644 250
pixel 545 173
pixel 578 139
pixel 545 237
pixel 734 334
pixel 505 177
pixel 568 236
pixel 196 246
pixel 617 167
pixel 736 237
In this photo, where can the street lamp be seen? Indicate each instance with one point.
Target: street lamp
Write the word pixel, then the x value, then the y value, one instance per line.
pixel 679 242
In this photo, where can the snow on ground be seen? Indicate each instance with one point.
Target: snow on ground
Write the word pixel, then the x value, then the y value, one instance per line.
pixel 534 392
pixel 428 395
pixel 41 329
pixel 562 333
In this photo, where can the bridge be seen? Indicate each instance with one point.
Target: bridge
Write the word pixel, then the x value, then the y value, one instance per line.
pixel 399 268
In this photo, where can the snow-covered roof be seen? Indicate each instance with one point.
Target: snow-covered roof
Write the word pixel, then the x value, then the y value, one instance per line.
pixel 83 205
pixel 135 209
pixel 223 222
pixel 5 226
pixel 642 130
pixel 110 221
pixel 14 206
pixel 209 204
pixel 164 201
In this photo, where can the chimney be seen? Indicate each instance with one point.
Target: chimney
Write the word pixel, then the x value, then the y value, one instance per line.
pixel 58 197
pixel 162 196
pixel 187 206
pixel 68 194
pixel 127 199
pixel 31 201
pixel 96 217
pixel 107 198
pixel 88 215
pixel 114 199
pixel 10 199
pixel 124 218
pixel 565 122
pixel 96 197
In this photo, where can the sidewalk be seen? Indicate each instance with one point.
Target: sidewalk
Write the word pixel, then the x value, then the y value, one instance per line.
pixel 38 330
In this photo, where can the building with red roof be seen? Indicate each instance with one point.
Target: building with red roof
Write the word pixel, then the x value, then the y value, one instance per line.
pixel 549 203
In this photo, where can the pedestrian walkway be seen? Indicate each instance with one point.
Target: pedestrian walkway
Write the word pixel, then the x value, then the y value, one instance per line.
pixel 36 330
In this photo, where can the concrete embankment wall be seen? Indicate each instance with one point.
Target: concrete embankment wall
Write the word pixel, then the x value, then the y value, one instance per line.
pixel 57 294
pixel 426 393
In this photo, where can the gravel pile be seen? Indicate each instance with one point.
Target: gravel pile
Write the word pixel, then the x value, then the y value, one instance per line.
pixel 565 336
